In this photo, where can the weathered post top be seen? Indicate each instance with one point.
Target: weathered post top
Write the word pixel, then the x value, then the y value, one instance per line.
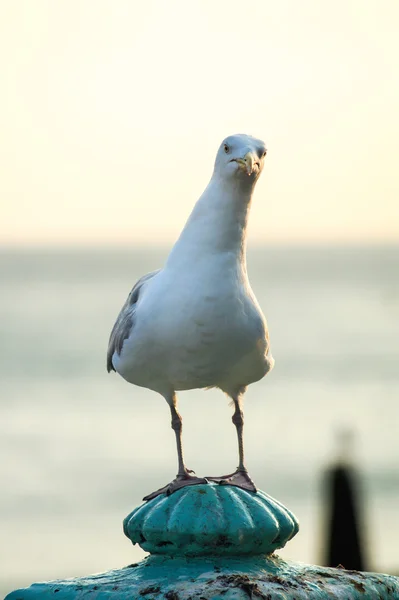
pixel 211 520
pixel 215 542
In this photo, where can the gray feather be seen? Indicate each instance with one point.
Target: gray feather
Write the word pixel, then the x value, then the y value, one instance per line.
pixel 125 321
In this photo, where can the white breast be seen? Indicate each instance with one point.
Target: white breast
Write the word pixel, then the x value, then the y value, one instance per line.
pixel 192 330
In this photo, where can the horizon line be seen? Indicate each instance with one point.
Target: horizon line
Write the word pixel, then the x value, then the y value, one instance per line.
pixel 112 246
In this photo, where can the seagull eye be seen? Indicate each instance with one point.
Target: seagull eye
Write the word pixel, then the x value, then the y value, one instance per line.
pixel 226 148
pixel 264 154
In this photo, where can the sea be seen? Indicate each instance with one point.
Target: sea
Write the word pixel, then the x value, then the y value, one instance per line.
pixel 80 447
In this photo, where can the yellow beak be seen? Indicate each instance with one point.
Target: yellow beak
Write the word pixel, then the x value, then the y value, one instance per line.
pixel 248 163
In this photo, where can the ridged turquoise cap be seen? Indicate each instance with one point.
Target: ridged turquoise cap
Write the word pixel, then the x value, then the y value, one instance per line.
pixel 211 519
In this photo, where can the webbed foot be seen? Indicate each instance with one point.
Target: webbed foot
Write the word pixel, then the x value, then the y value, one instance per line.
pixel 179 482
pixel 239 478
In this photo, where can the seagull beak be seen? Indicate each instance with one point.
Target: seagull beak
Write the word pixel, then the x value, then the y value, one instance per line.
pixel 249 163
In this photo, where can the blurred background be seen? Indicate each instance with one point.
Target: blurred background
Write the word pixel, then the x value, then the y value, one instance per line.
pixel 110 118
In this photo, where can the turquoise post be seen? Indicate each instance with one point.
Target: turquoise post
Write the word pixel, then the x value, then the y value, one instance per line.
pixel 215 542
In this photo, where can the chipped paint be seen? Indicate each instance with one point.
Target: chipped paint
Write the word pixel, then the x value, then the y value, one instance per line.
pixel 217 578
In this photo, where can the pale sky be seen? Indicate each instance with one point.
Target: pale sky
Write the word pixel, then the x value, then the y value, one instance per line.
pixel 111 112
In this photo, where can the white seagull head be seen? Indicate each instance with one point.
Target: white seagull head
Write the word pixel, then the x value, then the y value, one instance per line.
pixel 240 156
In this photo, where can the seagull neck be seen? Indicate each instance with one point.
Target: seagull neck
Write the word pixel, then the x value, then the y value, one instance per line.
pixel 218 221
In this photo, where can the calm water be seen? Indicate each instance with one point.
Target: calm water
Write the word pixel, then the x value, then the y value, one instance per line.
pixel 80 447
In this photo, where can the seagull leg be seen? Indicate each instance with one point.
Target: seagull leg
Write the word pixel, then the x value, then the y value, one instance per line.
pixel 183 476
pixel 177 426
pixel 240 477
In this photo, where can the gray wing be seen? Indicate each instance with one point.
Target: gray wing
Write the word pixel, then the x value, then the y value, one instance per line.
pixel 125 321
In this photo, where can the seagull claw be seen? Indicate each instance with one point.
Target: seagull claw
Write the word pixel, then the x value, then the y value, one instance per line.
pixel 175 485
pixel 239 479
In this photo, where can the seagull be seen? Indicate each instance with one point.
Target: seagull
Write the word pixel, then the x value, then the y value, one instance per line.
pixel 196 323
